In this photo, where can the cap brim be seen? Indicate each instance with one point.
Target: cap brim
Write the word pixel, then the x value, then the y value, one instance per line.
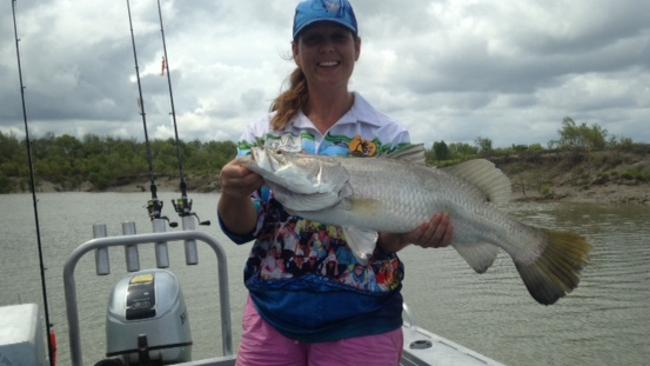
pixel 312 21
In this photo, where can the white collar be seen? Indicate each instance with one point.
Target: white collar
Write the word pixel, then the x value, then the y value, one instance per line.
pixel 361 111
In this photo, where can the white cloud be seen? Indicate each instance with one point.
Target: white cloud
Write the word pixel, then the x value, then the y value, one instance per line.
pixel 448 69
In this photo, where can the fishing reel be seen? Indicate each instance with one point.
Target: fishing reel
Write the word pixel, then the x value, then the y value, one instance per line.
pixel 183 207
pixel 154 207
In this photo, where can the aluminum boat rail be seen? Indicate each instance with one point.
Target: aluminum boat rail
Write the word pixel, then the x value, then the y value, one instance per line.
pixel 128 241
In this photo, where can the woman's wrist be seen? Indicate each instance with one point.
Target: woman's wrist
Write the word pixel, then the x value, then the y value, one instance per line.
pixel 391 243
pixel 237 214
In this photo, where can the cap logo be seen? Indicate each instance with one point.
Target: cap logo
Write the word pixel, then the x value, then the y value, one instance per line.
pixel 310 11
pixel 332 6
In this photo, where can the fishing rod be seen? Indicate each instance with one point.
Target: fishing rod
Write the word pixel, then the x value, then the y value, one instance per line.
pixel 154 205
pixel 183 205
pixel 50 338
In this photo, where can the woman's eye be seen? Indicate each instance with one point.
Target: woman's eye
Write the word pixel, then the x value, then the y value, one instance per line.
pixel 313 40
pixel 339 38
pixel 318 39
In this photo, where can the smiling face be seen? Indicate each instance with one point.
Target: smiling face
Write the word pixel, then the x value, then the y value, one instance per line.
pixel 326 53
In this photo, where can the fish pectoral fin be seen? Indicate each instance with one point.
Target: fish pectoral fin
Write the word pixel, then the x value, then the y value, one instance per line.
pixel 363 206
pixel 361 242
pixel 304 202
pixel 479 256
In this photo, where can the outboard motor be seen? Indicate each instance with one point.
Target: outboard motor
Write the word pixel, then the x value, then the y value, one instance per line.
pixel 147 321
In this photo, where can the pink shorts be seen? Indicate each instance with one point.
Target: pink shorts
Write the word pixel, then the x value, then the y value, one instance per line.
pixel 261 345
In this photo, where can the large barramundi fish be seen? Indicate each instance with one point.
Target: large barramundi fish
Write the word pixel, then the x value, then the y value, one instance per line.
pixel 399 192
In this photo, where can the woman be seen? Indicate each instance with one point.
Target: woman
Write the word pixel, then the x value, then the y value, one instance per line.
pixel 318 318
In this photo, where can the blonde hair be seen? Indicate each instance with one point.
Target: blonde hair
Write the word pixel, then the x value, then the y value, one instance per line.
pixel 289 102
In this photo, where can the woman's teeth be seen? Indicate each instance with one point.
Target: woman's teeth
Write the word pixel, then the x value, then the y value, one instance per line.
pixel 328 63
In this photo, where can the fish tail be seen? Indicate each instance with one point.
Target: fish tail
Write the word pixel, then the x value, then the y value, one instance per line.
pixel 556 271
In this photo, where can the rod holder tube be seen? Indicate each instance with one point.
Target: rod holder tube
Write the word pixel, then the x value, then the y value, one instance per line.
pixel 102 262
pixel 191 253
pixel 131 251
pixel 162 254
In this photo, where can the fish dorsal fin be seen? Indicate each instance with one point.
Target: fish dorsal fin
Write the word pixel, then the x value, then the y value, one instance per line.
pixel 486 177
pixel 411 153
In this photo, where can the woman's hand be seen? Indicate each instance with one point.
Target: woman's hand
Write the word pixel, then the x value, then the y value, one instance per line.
pixel 237 181
pixel 435 233
pixel 235 206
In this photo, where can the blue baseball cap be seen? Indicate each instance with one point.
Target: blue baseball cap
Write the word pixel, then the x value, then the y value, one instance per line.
pixel 312 11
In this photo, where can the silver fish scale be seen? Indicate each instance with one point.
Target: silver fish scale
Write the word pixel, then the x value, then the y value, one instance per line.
pixel 406 195
pixel 387 196
pixel 391 195
pixel 384 195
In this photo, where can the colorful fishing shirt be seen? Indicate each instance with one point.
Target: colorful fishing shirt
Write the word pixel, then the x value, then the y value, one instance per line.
pixel 302 276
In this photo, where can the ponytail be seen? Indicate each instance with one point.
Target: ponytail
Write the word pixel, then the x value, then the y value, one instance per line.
pixel 288 103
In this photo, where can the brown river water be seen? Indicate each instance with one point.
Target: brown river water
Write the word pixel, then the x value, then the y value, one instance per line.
pixel 605 321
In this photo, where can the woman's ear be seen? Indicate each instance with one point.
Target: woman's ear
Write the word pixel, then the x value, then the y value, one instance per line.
pixel 295 52
pixel 357 48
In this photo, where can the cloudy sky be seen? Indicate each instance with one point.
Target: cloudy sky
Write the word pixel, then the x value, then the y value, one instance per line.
pixel 449 70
